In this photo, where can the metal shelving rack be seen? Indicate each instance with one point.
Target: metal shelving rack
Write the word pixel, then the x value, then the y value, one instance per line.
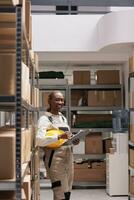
pixel 103 110
pixel 16 103
pixel 130 143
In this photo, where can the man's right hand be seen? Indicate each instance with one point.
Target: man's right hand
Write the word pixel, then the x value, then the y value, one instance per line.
pixel 64 135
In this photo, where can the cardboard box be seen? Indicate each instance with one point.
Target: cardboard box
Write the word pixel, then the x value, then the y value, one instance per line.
pixel 45 99
pixel 37 162
pixel 8 77
pixel 36 97
pixel 131 64
pixel 92 117
pixel 37 189
pixel 81 77
pixel 79 98
pixel 26 140
pixel 131 185
pixel 27 18
pixel 107 145
pixel 83 173
pixel 110 98
pixel 98 165
pixel 108 76
pixel 7 17
pixel 132 99
pixel 117 98
pixel 27 187
pixel 23 195
pixel 81 166
pixel 7 136
pixel 92 121
pixel 7 74
pixel 25 93
pixel 36 61
pixel 93 98
pixel 132 132
pixel 16 2
pixel 131 157
pixel 7 195
pixel 30 37
pixel 93 143
pixel 7 154
pixel 10 2
pixel 104 98
pixel 10 195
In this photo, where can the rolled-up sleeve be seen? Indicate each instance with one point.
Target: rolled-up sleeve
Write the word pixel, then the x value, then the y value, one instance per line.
pixel 42 139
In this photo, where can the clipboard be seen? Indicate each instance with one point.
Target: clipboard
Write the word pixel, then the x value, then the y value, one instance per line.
pixel 79 135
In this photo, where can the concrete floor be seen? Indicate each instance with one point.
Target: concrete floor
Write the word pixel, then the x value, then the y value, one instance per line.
pixel 82 194
pixel 78 193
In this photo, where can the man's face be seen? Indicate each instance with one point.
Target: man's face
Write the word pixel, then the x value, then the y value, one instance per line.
pixel 57 101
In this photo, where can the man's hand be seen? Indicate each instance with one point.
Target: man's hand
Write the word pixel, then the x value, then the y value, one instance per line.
pixel 65 135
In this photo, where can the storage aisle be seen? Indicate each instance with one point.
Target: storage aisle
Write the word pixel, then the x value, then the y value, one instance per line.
pixel 83 194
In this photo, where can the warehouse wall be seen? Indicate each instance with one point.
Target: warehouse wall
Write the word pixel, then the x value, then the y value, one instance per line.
pixel 85 33
pixel 116 27
pixel 64 32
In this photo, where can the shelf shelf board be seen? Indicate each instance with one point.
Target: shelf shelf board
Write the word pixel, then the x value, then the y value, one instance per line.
pixel 93 129
pixel 45 183
pixel 131 109
pixel 97 87
pixel 131 143
pixel 90 156
pixel 8 184
pixel 52 87
pixel 88 185
pixel 9 103
pixel 88 108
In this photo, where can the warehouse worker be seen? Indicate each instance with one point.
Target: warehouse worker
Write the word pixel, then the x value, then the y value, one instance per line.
pixel 58 161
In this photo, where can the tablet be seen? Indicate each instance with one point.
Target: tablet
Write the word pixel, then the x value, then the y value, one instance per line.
pixel 79 135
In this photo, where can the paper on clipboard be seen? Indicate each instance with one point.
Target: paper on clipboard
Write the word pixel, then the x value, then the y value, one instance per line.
pixel 79 135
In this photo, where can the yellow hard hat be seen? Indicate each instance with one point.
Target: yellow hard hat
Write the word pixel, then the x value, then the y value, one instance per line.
pixel 59 142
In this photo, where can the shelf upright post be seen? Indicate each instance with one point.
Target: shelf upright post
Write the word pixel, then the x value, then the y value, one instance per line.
pixel 18 98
